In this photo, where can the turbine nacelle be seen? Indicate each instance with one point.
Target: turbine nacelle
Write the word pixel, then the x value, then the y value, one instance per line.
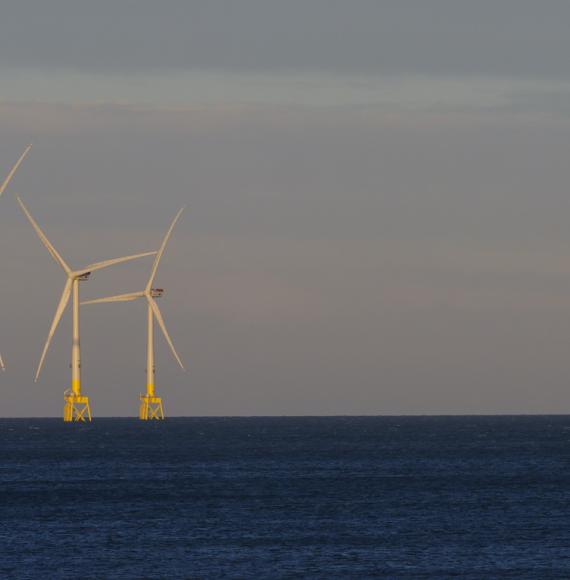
pixel 156 292
pixel 83 276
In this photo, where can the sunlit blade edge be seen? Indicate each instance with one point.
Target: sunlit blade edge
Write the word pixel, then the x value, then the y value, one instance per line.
pixel 13 170
pixel 161 250
pixel 43 237
pixel 113 261
pixel 117 298
pixel 57 317
pixel 160 321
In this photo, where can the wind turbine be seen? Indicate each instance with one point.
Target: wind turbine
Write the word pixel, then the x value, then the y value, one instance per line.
pixel 2 188
pixel 150 405
pixel 76 405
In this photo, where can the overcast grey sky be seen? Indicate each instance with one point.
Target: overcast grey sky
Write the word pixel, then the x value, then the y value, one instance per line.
pixel 441 37
pixel 377 199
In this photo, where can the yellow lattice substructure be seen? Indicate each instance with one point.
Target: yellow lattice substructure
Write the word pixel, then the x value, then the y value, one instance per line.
pixel 150 408
pixel 76 407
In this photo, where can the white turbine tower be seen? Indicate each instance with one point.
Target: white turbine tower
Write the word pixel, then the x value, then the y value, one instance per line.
pixel 2 188
pixel 76 405
pixel 150 405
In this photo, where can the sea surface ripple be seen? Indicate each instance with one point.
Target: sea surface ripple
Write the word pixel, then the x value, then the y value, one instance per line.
pixel 336 497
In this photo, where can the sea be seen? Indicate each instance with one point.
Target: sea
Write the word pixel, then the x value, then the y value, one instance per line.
pixel 286 497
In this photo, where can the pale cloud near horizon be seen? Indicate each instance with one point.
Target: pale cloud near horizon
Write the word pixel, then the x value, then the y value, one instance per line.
pixel 211 91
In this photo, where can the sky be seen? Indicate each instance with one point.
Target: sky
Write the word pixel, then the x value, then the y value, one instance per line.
pixel 377 203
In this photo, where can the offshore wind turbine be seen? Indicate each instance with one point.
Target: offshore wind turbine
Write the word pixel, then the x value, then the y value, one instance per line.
pixel 150 406
pixel 76 406
pixel 2 188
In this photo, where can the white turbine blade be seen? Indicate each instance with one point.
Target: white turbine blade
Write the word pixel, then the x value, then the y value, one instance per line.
pixel 13 171
pixel 158 317
pixel 161 250
pixel 106 263
pixel 2 364
pixel 43 238
pixel 117 298
pixel 57 317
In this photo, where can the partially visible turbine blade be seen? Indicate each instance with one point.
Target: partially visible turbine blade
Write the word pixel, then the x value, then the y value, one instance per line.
pixel 14 169
pixel 158 316
pixel 43 237
pixel 2 364
pixel 161 250
pixel 106 263
pixel 57 317
pixel 118 298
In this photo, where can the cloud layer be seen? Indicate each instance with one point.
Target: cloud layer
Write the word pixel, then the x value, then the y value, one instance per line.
pixel 437 37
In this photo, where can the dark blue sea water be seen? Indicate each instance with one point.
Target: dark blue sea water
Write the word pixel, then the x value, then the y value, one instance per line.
pixel 359 497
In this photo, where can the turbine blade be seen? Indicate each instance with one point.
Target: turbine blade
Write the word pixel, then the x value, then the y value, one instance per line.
pixel 161 250
pixel 43 238
pixel 2 364
pixel 57 317
pixel 117 298
pixel 13 171
pixel 158 317
pixel 106 263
